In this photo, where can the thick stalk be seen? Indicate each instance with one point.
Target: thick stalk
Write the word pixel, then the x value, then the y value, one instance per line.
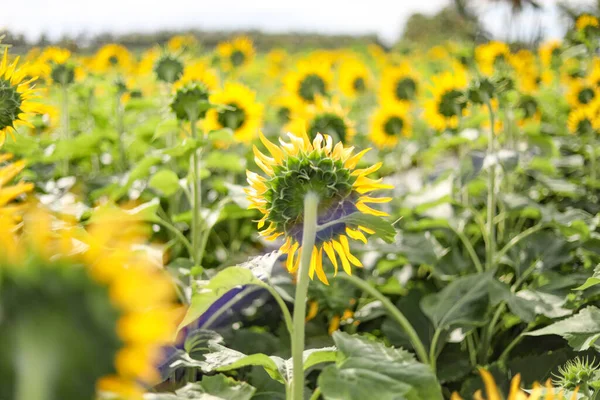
pixel 393 312
pixel 66 133
pixel 196 197
pixel 311 203
pixel 491 198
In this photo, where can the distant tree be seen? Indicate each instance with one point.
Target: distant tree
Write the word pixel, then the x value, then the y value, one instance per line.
pixel 447 24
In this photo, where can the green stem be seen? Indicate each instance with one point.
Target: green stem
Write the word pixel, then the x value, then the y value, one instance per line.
pixel 66 133
pixel 180 236
pixel 196 196
pixel 311 203
pixel 433 348
pixel 512 344
pixel 489 333
pixel 463 238
pixel 120 132
pixel 491 198
pixel 287 317
pixel 316 394
pixel 516 239
pixel 592 154
pixel 394 312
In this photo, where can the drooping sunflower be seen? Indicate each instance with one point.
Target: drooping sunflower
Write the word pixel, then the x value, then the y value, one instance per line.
pixel 182 42
pixel 354 79
pixel 113 57
pixel 582 92
pixel 490 56
pixel 586 22
pixel 389 124
pixel 327 117
pixel 550 53
pixel 243 114
pixel 516 393
pixel 71 296
pixel 236 53
pixel 199 72
pixel 16 94
pixel 584 120
pixel 168 68
pixel 308 80
pixel 9 193
pixel 399 85
pixel 301 166
pixel 448 102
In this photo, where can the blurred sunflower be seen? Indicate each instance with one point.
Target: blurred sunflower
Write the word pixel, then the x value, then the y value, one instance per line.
pixel 550 53
pixel 168 68
pixel 354 79
pixel 46 120
pixel 490 56
pixel 180 43
pixel 236 53
pixel 147 61
pixel 16 94
pixel 594 76
pixel 301 166
pixel 529 109
pixel 276 60
pixel 448 102
pixel 199 72
pixel 582 92
pixel 243 114
pixel 285 106
pixel 388 125
pixel 54 55
pixel 515 393
pixel 70 296
pixel 527 74
pixel 309 80
pixel 327 117
pixel 10 209
pixel 113 57
pixel 584 120
pixel 399 85
pixel 586 22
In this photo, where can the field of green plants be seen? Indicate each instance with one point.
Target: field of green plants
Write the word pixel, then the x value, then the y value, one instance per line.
pixel 352 224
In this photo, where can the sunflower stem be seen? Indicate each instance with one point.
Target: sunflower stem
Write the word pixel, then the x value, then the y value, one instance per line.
pixel 491 198
pixel 196 197
pixel 393 311
pixel 66 134
pixel 120 132
pixel 311 203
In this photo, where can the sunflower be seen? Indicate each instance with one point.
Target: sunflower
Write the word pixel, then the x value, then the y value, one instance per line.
pixel 530 109
pixel 70 296
pixel 8 194
pixel 355 78
pixel 586 22
pixel 550 53
pixel 449 102
pixel 285 106
pixel 46 120
pixel 243 114
pixel 16 93
pixel 309 80
pixel 199 72
pixel 168 68
pixel 594 76
pixel 491 55
pixel 298 167
pixel 399 85
pixel 147 61
pixel 582 92
pixel 54 55
pixel 389 124
pixel 113 57
pixel 325 117
pixel 527 73
pixel 236 53
pixel 584 120
pixel 182 42
pixel 515 393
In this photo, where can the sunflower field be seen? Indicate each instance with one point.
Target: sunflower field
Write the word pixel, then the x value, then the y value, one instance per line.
pixel 353 224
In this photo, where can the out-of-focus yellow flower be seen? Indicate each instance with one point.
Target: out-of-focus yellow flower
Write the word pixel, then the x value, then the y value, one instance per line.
pixel 490 55
pixel 285 106
pixel 584 120
pixel 550 53
pixel 399 85
pixel 243 114
pixel 236 53
pixel 276 59
pixel 182 42
pixel 355 78
pixel 310 79
pixel 113 57
pixel 146 64
pixel 327 117
pixel 389 124
pixel 301 166
pixel 448 102
pixel 586 21
pixel 199 72
pixel 9 209
pixel 582 92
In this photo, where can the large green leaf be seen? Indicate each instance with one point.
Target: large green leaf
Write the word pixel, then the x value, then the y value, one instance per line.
pixel 369 370
pixel 217 387
pixel 165 182
pixel 500 292
pixel 582 330
pixel 462 302
pixel 592 281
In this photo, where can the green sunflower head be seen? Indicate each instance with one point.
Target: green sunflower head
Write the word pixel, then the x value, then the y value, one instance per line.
pixel 405 89
pixel 311 86
pixel 10 104
pixel 168 68
pixel 63 74
pixel 190 102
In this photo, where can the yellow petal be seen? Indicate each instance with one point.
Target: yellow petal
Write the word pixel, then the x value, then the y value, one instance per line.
pixel 490 385
pixel 342 254
pixel 346 246
pixel 319 268
pixel 313 309
pixel 331 255
pixel 352 161
pixel 273 149
pixel 356 235
pixel 365 209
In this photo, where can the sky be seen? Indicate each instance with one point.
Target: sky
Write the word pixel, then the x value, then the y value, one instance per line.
pixel 383 17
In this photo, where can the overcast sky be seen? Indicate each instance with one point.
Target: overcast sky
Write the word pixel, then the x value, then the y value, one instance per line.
pixel 384 17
